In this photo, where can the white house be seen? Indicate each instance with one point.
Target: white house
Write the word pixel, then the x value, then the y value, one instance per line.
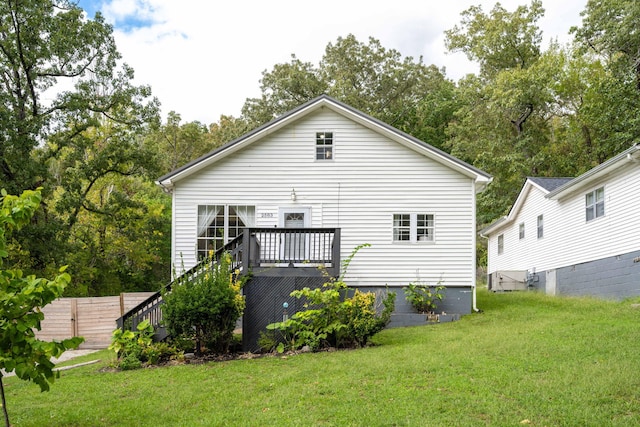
pixel 327 166
pixel 577 236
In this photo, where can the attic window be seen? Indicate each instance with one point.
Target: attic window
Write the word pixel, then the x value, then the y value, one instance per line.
pixel 324 145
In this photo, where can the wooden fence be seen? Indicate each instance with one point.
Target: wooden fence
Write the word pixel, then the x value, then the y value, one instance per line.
pixel 91 318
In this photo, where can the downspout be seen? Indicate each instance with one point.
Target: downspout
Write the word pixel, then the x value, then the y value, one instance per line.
pixel 473 247
pixel 474 192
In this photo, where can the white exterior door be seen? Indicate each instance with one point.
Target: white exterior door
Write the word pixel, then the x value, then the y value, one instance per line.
pixel 294 246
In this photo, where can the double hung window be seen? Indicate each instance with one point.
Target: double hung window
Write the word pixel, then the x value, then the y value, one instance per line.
pixel 594 204
pixel 324 145
pixel 413 228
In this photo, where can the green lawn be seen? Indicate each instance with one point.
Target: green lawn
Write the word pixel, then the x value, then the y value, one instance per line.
pixel 526 359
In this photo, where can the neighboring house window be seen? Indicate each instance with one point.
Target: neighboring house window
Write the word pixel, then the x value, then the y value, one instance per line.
pixel 413 227
pixel 501 244
pixel 218 224
pixel 594 202
pixel 540 227
pixel 521 231
pixel 324 145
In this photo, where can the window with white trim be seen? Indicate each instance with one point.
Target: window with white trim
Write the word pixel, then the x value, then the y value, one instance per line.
pixel 594 204
pixel 413 228
pixel 501 244
pixel 521 231
pixel 540 227
pixel 219 224
pixel 324 145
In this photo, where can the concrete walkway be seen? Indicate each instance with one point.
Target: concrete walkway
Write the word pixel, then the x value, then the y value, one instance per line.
pixel 70 354
pixel 67 355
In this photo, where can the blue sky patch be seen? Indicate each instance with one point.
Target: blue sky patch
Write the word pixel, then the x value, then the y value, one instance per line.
pixel 139 17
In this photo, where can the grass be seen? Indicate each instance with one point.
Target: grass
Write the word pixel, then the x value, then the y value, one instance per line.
pixel 526 359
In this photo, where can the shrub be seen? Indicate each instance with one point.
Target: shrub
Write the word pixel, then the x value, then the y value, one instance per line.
pixel 424 298
pixel 129 345
pixel 332 318
pixel 206 307
pixel 134 349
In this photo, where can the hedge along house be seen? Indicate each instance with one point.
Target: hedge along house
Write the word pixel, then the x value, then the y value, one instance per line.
pixel 572 236
pixel 310 186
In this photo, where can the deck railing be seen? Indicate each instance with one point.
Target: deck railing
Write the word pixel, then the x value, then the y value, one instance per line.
pixel 253 249
pixel 296 247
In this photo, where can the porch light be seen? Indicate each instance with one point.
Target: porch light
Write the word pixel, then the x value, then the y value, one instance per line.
pixel 293 195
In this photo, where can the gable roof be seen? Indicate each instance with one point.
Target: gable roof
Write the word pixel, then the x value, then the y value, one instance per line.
pixel 543 184
pixel 480 177
pixel 559 188
pixel 549 184
pixel 611 165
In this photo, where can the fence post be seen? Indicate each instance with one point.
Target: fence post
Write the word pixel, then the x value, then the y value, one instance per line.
pixel 74 317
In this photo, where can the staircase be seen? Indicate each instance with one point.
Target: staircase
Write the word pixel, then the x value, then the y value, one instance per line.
pixel 151 308
pixel 271 255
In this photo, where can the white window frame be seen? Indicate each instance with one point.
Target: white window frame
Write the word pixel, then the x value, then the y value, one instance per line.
pixel 424 233
pixel 540 227
pixel 521 231
pixel 500 244
pixel 228 228
pixel 325 149
pixel 594 204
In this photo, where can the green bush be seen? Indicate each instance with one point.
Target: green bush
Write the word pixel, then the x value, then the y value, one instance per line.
pixel 135 349
pixel 424 298
pixel 206 307
pixel 129 345
pixel 332 318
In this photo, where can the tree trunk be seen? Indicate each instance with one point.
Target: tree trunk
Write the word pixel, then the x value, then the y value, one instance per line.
pixel 4 404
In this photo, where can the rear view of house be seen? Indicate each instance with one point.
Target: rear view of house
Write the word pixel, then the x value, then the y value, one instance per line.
pixel 572 236
pixel 307 188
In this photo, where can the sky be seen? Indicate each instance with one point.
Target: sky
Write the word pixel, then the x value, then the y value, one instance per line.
pixel 203 59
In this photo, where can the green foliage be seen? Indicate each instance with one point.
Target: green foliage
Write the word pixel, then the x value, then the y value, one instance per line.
pixel 128 343
pixel 135 349
pixel 206 307
pixel 401 91
pixel 21 300
pixel 79 144
pixel 424 298
pixel 332 318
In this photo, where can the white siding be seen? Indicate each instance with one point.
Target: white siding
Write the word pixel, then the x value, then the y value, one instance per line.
pixel 568 238
pixel 370 179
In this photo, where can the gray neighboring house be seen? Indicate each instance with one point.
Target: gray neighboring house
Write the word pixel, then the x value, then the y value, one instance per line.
pixel 572 236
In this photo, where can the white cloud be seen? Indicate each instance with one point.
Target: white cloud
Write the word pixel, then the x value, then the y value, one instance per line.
pixel 203 59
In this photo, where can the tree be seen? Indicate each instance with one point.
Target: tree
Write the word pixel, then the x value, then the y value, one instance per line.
pixel 21 300
pixel 70 118
pixel 175 144
pixel 609 37
pixel 610 30
pixel 500 41
pixel 402 92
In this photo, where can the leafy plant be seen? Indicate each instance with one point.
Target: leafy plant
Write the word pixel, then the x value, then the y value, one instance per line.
pixel 134 349
pixel 424 298
pixel 333 319
pixel 129 345
pixel 21 300
pixel 206 307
